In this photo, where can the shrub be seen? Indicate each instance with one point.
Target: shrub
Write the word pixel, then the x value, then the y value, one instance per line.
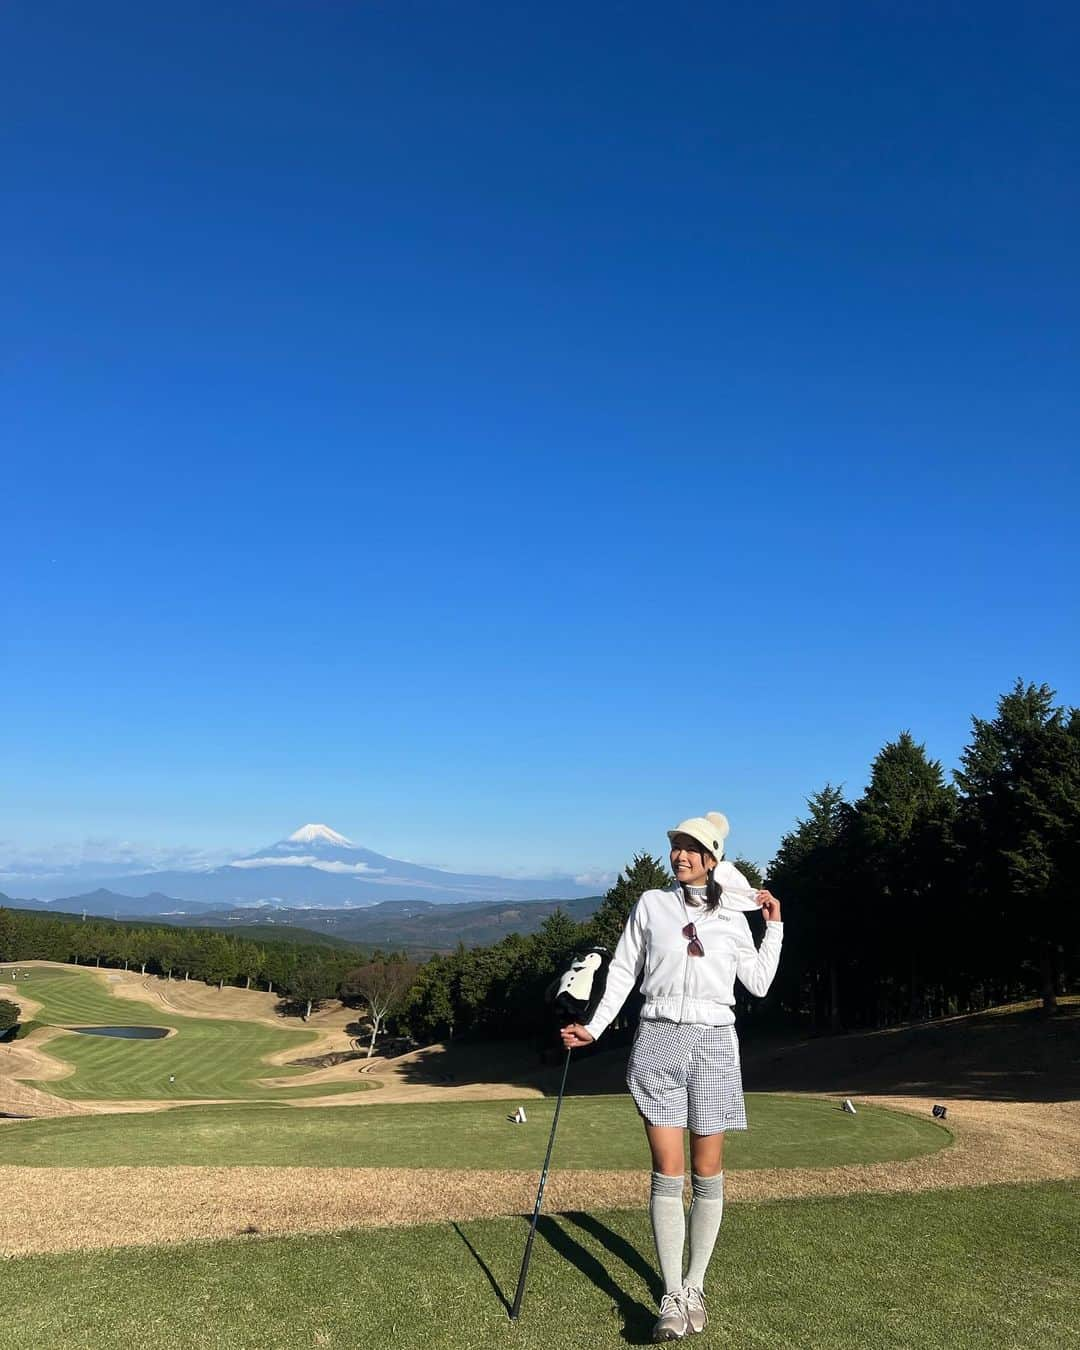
pixel 9 1015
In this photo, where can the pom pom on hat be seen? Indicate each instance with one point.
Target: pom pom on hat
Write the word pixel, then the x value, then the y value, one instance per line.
pixel 720 822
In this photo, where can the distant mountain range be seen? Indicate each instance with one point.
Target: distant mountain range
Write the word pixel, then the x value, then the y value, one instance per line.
pixel 416 926
pixel 105 904
pixel 315 867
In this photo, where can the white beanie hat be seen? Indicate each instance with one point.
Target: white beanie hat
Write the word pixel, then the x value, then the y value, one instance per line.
pixel 709 830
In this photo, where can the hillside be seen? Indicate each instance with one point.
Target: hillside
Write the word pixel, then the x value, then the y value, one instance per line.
pixel 279 932
pixel 1011 1053
pixel 416 926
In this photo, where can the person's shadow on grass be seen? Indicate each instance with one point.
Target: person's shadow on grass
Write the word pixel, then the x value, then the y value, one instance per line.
pixel 618 1246
pixel 484 1267
pixel 637 1318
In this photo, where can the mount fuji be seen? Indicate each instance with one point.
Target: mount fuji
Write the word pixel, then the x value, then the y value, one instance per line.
pixel 316 867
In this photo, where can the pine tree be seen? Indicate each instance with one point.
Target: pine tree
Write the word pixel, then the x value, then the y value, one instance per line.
pixel 811 875
pixel 1020 816
pixel 430 1010
pixel 751 871
pixel 645 873
pixel 7 935
pixel 903 840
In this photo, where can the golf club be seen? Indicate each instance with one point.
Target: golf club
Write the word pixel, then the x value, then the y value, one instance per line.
pixel 574 996
pixel 520 1292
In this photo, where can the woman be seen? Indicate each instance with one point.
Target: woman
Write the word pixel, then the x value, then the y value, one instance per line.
pixel 692 941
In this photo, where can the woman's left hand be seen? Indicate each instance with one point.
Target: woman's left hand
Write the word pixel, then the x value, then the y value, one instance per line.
pixel 770 906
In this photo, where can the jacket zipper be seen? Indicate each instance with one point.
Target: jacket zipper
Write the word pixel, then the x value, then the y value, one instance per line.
pixel 686 959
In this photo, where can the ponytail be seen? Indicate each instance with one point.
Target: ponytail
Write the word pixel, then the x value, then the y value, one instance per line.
pixel 713 891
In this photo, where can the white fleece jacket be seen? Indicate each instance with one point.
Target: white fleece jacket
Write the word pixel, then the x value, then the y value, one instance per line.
pixel 678 987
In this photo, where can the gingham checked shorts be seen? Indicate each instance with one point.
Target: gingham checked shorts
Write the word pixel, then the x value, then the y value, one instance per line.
pixel 682 1074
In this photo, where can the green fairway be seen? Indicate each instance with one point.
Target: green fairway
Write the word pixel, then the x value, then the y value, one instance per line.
pixel 946 1270
pixel 206 1058
pixel 594 1132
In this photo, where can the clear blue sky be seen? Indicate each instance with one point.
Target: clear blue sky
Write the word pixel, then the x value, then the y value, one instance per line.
pixel 500 430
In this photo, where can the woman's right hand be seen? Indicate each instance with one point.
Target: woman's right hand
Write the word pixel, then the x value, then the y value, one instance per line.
pixel 574 1036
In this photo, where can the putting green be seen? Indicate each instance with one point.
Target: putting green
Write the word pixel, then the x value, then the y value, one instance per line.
pixel 594 1132
pixel 205 1058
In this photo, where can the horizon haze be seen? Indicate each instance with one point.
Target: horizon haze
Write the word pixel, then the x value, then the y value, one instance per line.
pixel 314 867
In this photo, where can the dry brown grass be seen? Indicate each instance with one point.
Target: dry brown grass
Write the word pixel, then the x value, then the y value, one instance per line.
pixel 28 1059
pixel 397 1081
pixel 25 1059
pixel 65 1209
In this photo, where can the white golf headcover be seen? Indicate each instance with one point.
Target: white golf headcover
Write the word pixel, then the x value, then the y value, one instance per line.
pixel 579 989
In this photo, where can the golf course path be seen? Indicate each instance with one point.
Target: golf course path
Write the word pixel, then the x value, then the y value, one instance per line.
pixel 51 1209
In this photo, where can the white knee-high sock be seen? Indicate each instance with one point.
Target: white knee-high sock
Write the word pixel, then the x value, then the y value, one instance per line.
pixel 669 1227
pixel 706 1211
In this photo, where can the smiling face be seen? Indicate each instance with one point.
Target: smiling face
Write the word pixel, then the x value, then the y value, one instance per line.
pixel 690 861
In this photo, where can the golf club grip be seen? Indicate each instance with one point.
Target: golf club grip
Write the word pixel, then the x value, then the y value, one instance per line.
pixel 519 1294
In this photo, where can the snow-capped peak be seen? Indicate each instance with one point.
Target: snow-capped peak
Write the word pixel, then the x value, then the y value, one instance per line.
pixel 318 834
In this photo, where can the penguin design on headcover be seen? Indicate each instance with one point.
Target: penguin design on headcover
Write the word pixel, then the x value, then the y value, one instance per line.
pixel 576 993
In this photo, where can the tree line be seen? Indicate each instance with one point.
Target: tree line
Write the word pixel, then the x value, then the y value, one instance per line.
pixel 922 897
pixel 303 975
pixel 925 897
pixel 499 991
pixel 300 973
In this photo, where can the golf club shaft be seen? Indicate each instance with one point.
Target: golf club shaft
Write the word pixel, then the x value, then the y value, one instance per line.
pixel 520 1294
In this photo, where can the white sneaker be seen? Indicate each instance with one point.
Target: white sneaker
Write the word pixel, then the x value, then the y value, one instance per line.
pixel 694 1304
pixel 672 1324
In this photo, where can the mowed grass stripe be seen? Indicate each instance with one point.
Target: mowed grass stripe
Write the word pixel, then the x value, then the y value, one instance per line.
pixel 962 1270
pixel 207 1057
pixel 594 1132
pixel 77 996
